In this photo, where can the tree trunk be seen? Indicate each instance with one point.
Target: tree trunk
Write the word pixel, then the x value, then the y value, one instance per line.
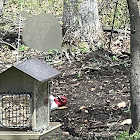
pixel 90 25
pixel 81 20
pixel 69 13
pixel 133 6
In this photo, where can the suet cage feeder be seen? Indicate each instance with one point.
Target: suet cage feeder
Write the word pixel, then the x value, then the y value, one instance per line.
pixel 23 114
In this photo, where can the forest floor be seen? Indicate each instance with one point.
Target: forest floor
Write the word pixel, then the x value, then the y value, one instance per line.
pixel 94 83
pixel 94 86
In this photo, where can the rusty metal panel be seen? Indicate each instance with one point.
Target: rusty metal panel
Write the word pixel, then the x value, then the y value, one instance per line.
pixel 38 69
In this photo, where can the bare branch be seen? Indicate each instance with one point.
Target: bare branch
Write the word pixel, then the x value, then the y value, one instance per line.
pixel 3 42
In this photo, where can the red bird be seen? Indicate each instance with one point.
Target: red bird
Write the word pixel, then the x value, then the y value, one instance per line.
pixel 56 102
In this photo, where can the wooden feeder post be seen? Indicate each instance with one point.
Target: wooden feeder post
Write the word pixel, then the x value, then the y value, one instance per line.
pixel 24 87
pixel 41 118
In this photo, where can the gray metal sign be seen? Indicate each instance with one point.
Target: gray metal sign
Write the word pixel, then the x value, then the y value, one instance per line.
pixel 43 32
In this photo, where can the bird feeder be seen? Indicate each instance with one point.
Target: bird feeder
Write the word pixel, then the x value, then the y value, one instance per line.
pixel 23 114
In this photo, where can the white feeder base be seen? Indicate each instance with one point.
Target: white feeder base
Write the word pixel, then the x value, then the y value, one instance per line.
pixel 17 135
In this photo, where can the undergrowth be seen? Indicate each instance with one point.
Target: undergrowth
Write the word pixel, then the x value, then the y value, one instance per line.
pixel 125 136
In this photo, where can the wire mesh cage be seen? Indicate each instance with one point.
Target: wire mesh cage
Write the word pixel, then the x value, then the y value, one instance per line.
pixel 15 110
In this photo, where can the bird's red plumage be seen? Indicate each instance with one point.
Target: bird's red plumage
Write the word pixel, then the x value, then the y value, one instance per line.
pixel 55 102
pixel 62 101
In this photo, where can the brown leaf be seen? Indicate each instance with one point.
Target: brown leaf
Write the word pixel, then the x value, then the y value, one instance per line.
pixel 85 121
pixel 82 107
pixel 76 85
pixel 121 104
pixel 127 121
pixel 62 107
pixel 93 89
pixel 86 111
pixel 65 133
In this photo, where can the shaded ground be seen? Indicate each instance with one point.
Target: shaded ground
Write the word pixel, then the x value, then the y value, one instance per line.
pixel 94 86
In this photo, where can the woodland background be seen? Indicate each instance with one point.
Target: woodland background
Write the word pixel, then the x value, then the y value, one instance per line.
pixel 95 78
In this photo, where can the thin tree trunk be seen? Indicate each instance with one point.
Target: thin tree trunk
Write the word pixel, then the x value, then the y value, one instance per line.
pixel 135 60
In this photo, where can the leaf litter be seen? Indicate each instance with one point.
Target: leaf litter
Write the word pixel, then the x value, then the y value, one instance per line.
pixel 97 89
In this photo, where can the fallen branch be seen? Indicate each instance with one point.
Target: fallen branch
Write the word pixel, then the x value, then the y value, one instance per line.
pixel 108 29
pixel 3 42
pixel 98 126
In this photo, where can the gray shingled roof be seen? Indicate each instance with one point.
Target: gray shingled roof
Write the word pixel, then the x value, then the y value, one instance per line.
pixel 38 69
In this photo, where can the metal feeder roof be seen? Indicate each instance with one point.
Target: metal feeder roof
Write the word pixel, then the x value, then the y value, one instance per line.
pixel 37 69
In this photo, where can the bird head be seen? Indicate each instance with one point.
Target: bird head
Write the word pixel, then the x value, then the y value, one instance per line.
pixel 61 101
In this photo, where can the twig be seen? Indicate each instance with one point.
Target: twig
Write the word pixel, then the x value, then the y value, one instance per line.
pixel 109 29
pixel 98 126
pixel 113 24
pixel 3 42
pixel 66 33
pixel 20 18
pixel 67 55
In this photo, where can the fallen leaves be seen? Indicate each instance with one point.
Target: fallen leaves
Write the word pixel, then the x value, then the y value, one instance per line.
pixel 62 107
pixel 127 121
pixel 82 107
pixel 121 105
pixel 65 133
pixel 93 89
pixel 89 108
pixel 86 121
